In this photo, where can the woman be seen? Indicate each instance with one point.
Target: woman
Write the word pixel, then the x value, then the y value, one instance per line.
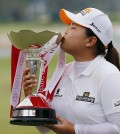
pixel 89 90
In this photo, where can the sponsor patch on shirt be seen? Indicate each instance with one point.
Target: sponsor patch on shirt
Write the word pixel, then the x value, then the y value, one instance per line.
pixel 57 93
pixel 85 97
pixel 116 102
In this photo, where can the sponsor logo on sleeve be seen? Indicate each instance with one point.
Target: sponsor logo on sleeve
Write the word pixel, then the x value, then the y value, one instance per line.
pixel 116 102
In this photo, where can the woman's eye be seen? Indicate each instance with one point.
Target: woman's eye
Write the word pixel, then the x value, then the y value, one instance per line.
pixel 73 27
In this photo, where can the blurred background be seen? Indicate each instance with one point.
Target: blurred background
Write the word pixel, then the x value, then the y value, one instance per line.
pixel 38 15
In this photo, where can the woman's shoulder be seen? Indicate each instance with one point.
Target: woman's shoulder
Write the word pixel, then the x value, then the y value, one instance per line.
pixel 109 68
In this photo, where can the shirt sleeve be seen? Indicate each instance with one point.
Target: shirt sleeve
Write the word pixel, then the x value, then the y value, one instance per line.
pixel 110 94
pixel 104 128
pixel 111 127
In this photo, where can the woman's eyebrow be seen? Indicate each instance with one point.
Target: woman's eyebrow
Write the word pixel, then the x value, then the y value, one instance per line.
pixel 73 24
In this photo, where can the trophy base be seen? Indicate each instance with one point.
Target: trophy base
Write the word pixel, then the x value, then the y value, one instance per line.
pixel 32 122
pixel 33 116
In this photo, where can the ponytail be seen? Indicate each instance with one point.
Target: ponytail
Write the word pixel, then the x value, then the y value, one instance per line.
pixel 112 55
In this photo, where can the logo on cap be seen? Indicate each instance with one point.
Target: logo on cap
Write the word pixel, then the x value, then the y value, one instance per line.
pixel 98 30
pixel 85 11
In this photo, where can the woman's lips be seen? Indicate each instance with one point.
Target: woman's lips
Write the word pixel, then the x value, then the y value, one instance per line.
pixel 60 38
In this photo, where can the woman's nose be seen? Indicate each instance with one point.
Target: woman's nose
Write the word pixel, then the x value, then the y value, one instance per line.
pixel 67 30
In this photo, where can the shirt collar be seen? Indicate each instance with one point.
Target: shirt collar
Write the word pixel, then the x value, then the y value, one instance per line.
pixel 97 61
pixel 91 67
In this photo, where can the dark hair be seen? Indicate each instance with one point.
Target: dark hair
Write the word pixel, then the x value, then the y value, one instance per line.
pixel 112 55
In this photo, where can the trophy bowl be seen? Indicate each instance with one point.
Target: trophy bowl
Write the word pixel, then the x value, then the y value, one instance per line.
pixel 24 38
pixel 34 109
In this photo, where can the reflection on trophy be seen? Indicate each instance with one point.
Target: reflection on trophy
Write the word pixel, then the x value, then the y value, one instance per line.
pixel 33 110
pixel 33 62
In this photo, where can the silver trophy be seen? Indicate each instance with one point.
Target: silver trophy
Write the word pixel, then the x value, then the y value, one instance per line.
pixel 33 62
pixel 33 110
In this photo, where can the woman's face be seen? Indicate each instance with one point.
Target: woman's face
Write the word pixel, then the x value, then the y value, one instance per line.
pixel 74 39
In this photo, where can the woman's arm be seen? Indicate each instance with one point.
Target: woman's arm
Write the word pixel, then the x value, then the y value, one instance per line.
pixel 112 127
pixel 66 127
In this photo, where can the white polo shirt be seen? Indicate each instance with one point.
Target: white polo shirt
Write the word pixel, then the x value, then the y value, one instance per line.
pixel 88 97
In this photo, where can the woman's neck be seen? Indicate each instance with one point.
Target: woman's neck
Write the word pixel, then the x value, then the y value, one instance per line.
pixel 84 58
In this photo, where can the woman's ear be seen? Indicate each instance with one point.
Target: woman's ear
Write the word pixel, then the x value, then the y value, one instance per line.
pixel 91 41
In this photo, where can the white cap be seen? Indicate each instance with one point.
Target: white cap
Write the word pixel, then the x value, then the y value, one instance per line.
pixel 91 18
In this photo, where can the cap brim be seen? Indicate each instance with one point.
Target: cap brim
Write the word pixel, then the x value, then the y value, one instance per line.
pixel 68 17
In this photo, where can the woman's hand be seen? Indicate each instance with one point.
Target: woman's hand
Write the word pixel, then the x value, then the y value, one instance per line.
pixel 65 127
pixel 29 82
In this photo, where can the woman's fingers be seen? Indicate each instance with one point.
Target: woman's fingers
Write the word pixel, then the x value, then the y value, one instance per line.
pixel 26 71
pixel 26 75
pixel 29 82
